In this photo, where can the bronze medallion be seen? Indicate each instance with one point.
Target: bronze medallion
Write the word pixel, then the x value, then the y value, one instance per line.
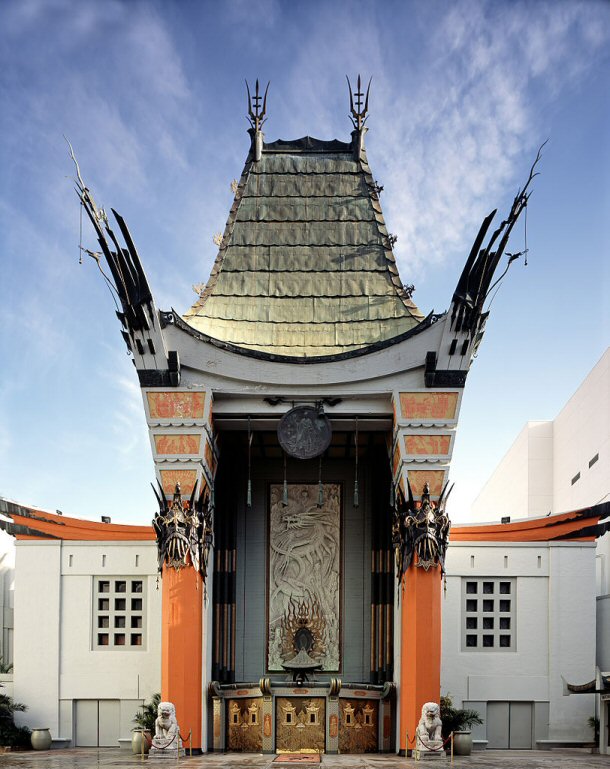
pixel 304 432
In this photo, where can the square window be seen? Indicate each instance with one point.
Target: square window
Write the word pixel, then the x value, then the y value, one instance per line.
pixel 102 639
pixel 505 588
pixel 119 621
pixel 471 605
pixel 136 639
pixel 312 718
pixel 471 587
pixel 504 623
pixel 120 604
pixel 119 639
pixel 488 587
pixel 488 640
pixel 488 605
pixel 471 623
pixel 488 623
pixel 504 640
pixel 120 586
pixel 103 587
pixel 136 604
pixel 136 622
pixel 471 640
pixel 136 586
pixel 505 605
pixel 103 604
pixel 103 621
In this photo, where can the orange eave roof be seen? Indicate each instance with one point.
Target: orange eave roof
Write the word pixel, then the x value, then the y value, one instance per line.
pixel 29 523
pixel 577 525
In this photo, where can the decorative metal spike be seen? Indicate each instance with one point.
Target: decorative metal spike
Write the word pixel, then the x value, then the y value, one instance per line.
pixel 356 498
pixel 285 489
pixel 356 446
pixel 320 487
pixel 249 495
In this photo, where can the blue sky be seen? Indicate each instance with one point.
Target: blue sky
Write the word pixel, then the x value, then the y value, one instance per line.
pixel 152 97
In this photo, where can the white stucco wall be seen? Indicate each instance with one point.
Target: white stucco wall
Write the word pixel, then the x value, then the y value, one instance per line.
pixel 54 657
pixel 555 614
pixel 535 476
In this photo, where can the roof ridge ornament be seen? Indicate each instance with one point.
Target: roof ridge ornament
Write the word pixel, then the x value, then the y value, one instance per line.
pixel 359 114
pixel 257 116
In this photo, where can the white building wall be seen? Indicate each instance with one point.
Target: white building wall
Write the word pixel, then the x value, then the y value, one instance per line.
pixel 536 476
pixel 553 632
pixel 55 663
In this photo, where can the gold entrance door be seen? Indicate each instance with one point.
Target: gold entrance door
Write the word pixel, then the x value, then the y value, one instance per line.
pixel 244 722
pixel 300 724
pixel 358 726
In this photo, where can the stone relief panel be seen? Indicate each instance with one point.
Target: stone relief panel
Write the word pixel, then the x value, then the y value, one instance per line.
pixel 304 573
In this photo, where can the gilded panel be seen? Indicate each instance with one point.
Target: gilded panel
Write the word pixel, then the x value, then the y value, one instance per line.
pixel 177 444
pixel 300 724
pixel 427 444
pixel 304 574
pixel 244 724
pixel 428 405
pixel 358 726
pixel 175 405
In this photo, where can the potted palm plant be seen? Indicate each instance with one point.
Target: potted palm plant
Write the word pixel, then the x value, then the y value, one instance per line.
pixel 458 721
pixel 145 719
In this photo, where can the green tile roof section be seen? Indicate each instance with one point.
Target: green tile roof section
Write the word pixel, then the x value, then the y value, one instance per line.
pixel 305 266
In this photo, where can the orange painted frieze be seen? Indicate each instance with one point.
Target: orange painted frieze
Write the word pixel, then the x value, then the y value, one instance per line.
pixel 177 444
pixel 209 457
pixel 186 479
pixel 428 405
pixel 434 478
pixel 427 444
pixel 175 405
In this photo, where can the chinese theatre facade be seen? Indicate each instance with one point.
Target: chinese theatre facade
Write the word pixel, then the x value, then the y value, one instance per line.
pixel 302 416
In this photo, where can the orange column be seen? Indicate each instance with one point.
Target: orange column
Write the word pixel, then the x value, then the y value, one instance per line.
pixel 181 647
pixel 420 647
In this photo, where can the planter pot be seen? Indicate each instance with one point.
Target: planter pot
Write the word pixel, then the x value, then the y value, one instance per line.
pixel 41 738
pixel 137 738
pixel 462 743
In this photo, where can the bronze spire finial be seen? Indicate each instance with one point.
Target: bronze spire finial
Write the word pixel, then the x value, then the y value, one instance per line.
pixel 256 112
pixel 358 112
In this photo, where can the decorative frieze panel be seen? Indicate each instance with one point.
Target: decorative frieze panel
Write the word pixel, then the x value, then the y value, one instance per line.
pixel 428 407
pixel 175 406
pixel 304 574
pixel 177 444
pixel 186 479
pixel 427 445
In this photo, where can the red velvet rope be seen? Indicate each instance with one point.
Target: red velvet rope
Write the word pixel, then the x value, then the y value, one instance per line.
pixel 425 744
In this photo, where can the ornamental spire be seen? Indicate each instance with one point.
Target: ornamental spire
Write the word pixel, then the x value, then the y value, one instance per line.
pixel 358 112
pixel 256 116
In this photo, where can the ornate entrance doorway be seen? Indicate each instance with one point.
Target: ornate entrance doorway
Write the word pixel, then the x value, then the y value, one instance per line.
pixel 300 724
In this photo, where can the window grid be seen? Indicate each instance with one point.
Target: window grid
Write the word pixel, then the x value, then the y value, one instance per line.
pixel 118 613
pixel 488 612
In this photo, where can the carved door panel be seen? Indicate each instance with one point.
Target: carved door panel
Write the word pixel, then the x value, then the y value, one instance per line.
pixel 358 726
pixel 244 724
pixel 300 724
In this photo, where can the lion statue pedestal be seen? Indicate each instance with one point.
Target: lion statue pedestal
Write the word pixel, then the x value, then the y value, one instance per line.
pixel 166 742
pixel 428 740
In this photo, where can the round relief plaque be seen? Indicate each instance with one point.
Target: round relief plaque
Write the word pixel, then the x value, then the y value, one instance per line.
pixel 304 432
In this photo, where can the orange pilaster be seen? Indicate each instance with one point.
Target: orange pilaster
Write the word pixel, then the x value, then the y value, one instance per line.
pixel 420 647
pixel 181 649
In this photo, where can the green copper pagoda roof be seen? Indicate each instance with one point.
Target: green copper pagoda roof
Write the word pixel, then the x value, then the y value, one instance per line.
pixel 305 266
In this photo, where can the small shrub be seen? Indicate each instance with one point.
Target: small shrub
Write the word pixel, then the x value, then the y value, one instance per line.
pixel 147 714
pixel 10 733
pixel 456 719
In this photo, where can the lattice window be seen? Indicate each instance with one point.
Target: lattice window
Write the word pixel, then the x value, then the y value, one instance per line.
pixel 118 613
pixel 488 614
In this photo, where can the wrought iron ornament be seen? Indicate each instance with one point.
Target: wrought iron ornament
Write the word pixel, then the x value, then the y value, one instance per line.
pixel 184 531
pixel 304 432
pixel 421 529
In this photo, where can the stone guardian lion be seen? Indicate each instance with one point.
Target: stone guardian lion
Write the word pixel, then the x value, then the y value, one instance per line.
pixel 430 724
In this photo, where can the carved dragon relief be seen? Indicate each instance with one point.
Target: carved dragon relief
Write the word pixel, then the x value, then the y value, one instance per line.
pixel 304 575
